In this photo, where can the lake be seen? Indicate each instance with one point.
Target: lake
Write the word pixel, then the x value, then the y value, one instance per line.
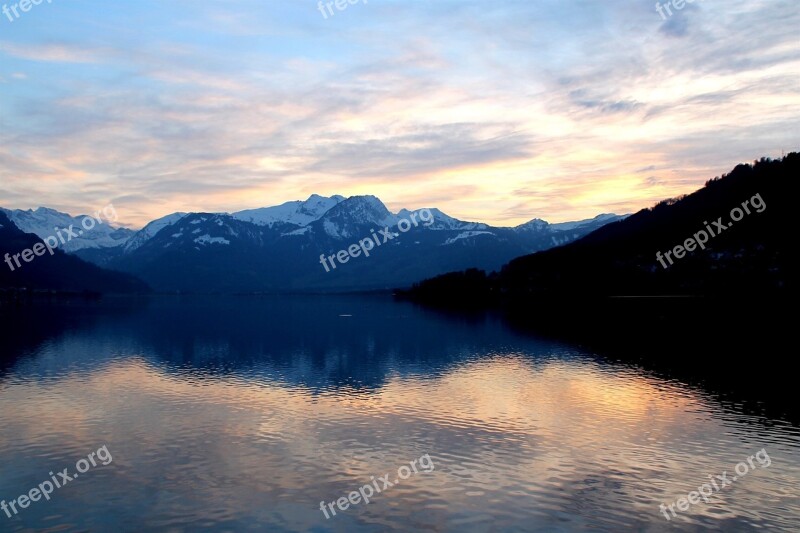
pixel 269 414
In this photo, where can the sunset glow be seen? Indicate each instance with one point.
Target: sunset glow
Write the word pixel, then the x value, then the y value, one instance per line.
pixel 499 112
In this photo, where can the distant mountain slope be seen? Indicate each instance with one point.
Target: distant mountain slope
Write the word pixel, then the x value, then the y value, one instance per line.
pixel 204 252
pixel 751 255
pixel 150 231
pixel 297 212
pixel 276 249
pixel 44 222
pixel 60 271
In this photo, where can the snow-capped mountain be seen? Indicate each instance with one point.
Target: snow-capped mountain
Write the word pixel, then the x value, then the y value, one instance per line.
pixel 58 271
pixel 150 230
pixel 298 212
pixel 347 219
pixel 536 225
pixel 539 225
pixel 203 252
pixel 279 248
pixel 44 222
pixel 605 218
pixel 445 222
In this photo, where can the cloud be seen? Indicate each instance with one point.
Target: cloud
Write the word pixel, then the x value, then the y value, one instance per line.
pixel 431 149
pixel 53 53
pixel 678 24
pixel 500 111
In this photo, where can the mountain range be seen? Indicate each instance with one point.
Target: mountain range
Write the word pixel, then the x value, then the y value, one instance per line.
pixel 58 272
pixel 745 221
pixel 279 248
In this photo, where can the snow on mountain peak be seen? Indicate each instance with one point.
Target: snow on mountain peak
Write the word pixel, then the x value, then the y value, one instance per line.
pixel 45 222
pixel 344 219
pixel 605 217
pixel 150 230
pixel 441 221
pixel 537 224
pixel 297 212
pixel 365 209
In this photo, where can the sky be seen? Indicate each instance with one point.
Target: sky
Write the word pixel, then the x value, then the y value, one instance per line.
pixel 495 111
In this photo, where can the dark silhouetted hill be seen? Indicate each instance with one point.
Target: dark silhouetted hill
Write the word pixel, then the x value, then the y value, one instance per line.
pixel 751 257
pixel 59 272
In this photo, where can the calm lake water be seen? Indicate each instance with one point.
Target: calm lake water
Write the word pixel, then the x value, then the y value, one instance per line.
pixel 244 414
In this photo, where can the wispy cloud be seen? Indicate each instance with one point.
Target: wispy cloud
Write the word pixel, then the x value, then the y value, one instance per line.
pixel 53 53
pixel 499 111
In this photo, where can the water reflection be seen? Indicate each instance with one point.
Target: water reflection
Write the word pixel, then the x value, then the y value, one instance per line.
pixel 243 414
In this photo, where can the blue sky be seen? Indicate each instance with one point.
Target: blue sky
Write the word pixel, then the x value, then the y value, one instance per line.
pixel 494 111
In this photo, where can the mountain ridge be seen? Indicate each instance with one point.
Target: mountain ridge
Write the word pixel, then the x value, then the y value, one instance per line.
pixel 286 213
pixel 278 248
pixel 58 271
pixel 749 254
